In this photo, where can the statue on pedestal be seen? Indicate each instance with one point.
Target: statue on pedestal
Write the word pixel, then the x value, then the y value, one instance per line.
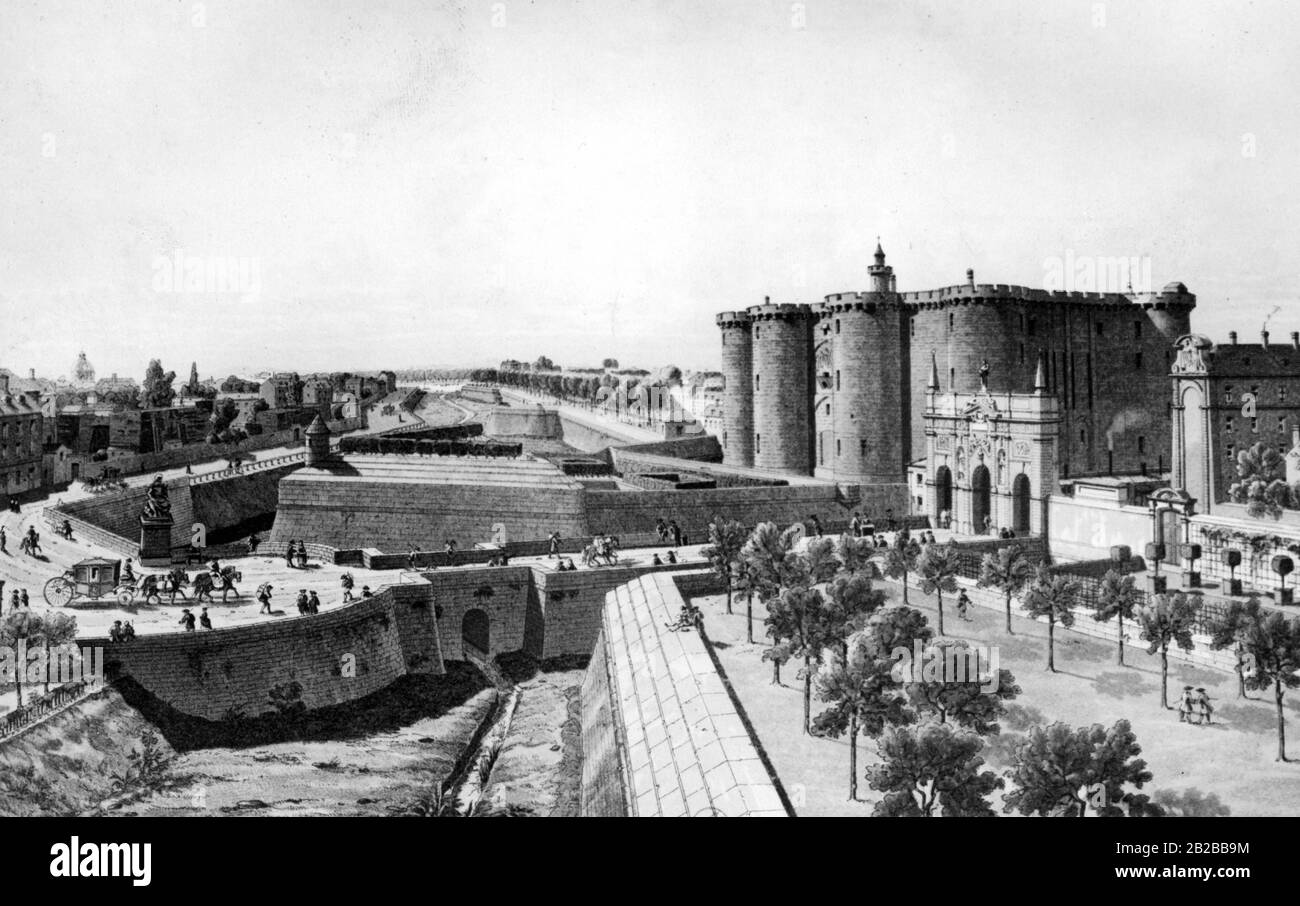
pixel 157 507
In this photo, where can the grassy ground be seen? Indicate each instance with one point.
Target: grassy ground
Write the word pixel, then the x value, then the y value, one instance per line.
pixel 1232 758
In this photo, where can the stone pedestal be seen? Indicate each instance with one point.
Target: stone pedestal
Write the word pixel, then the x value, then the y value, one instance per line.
pixel 155 542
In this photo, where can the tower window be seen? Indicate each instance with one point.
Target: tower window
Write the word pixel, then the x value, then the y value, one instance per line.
pixel 758 443
pixel 837 446
pixel 1229 423
pixel 951 320
pixel 952 378
pixel 1083 437
pixel 1022 353
pixel 1033 327
pixel 862 446
pixel 1137 360
pixel 1142 444
pixel 1101 329
pixel 837 325
pixel 828 408
pixel 1137 330
pixel 837 383
pixel 756 333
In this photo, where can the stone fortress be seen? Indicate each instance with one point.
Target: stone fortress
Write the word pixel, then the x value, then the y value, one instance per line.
pixel 838 389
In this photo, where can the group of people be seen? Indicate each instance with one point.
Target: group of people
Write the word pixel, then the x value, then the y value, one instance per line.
pixel 17 599
pixel 122 631
pixel 671 555
pixel 670 532
pixel 187 620
pixel 566 566
pixel 308 602
pixel 1194 706
pixel 295 555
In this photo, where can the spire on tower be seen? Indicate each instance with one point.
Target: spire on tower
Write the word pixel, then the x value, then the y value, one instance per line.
pixel 933 384
pixel 880 252
pixel 1040 377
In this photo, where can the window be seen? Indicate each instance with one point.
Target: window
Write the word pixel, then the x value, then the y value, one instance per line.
pixel 1083 436
pixel 1230 424
pixel 758 443
pixel 1281 394
pixel 1254 426
pixel 756 333
pixel 1231 452
pixel 1142 444
pixel 1227 395
pixel 1137 330
pixel 862 446
pixel 837 325
pixel 828 408
pixel 837 446
pixel 952 378
pixel 756 381
pixel 1101 329
pixel 1022 353
pixel 821 449
pixel 951 319
pixel 1137 360
pixel 837 383
pixel 1033 326
pixel 1281 424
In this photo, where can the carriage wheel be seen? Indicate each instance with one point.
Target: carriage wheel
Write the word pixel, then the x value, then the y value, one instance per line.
pixel 125 596
pixel 59 592
pixel 154 599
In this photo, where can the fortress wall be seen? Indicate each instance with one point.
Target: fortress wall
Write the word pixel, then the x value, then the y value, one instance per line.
pixel 118 513
pixel 523 422
pixel 738 398
pixel 783 388
pixel 505 594
pixel 699 447
pixel 222 504
pixel 398 516
pixel 234 670
pixel 628 512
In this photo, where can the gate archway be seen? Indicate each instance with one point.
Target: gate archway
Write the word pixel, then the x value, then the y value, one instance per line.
pixel 475 630
pixel 1020 503
pixel 942 493
pixel 981 499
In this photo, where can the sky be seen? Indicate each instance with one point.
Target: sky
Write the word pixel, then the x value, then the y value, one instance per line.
pixel 342 186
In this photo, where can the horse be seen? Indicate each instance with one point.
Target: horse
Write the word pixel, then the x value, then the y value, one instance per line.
pixel 205 583
pixel 601 549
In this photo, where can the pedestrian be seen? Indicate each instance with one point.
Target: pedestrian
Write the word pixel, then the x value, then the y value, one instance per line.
pixel 26 603
pixel 288 555
pixel 654 562
pixel 553 545
pixel 411 558
pixel 816 525
pixel 67 530
pixel 187 620
pixel 14 601
pixel 347 582
pixel 115 631
pixel 204 620
pixel 4 539
pixel 1203 702
pixel 253 542
pixel 963 603
pixel 662 528
pixel 128 631
pixel 675 531
pixel 302 600
pixel 365 591
pixel 264 596
pixel 672 556
pixel 128 573
pixel 855 526
pixel 1186 705
pixel 313 602
pixel 450 549
pixel 302 554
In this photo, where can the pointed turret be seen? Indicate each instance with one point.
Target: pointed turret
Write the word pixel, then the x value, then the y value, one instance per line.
pixel 318 442
pixel 932 385
pixel 1040 377
pixel 882 275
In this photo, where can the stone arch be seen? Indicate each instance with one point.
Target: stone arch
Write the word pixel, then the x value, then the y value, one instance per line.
pixel 981 494
pixel 1020 503
pixel 942 492
pixel 476 630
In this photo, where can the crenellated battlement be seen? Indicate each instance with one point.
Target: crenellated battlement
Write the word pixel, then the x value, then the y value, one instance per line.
pixel 728 319
pixel 786 311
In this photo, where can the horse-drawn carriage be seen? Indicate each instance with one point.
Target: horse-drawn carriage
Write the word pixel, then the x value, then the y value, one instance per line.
pixel 94 578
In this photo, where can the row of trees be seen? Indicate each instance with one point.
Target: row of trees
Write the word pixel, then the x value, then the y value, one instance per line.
pixel 37 631
pixel 1261 483
pixel 930 727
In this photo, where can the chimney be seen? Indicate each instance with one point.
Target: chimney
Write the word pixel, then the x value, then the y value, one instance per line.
pixel 767 300
pixel 1232 337
pixel 1263 334
pixel 31 372
pixel 1295 339
pixel 970 277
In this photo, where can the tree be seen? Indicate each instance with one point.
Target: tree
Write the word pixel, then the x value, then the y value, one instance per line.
pixel 958 691
pixel 767 557
pixel 1051 596
pixel 862 683
pixel 1231 631
pixel 854 554
pixel 1007 570
pixel 15 627
pixel 932 765
pixel 50 632
pixel 1167 620
pixel 1117 597
pixel 901 559
pixel 1058 771
pixel 609 363
pixel 1272 648
pixel 937 569
pixel 726 541
pixel 158 392
pixel 1260 483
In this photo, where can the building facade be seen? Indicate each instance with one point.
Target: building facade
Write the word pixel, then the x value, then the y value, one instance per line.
pixel 22 434
pixel 992 458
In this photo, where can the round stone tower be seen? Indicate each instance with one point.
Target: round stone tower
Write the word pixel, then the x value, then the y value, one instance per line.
pixel 318 442
pixel 782 387
pixel 861 400
pixel 1170 311
pixel 738 395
